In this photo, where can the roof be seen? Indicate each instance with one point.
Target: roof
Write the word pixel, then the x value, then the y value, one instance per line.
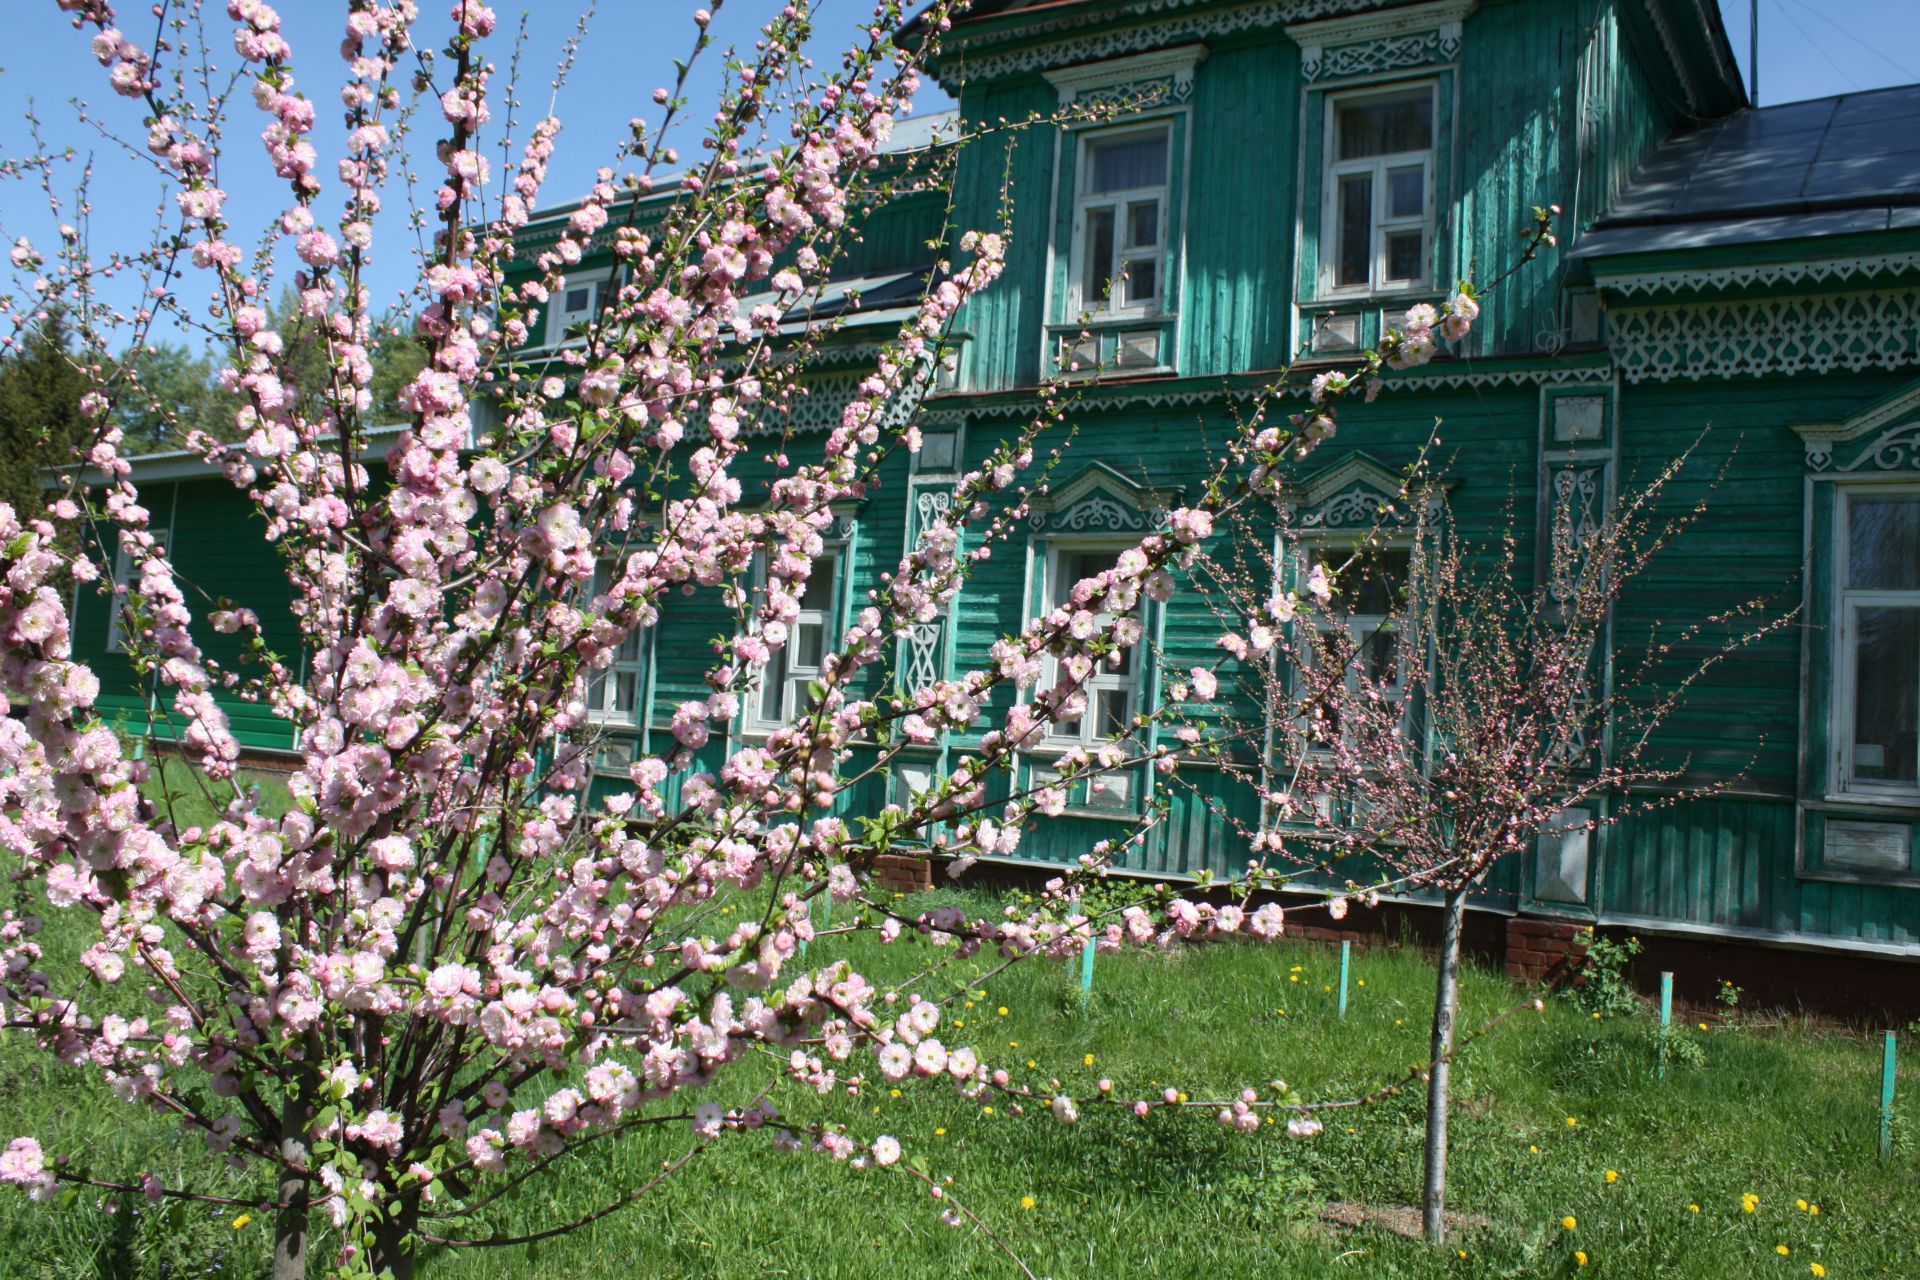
pixel 1829 166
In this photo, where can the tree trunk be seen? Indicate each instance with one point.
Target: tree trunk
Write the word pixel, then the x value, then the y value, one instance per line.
pixel 296 1191
pixel 1446 999
pixel 393 1253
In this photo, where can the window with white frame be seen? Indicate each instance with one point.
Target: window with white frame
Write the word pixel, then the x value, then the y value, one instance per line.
pixel 781 692
pixel 1112 687
pixel 1377 226
pixel 574 303
pixel 1120 221
pixel 1876 704
pixel 1369 589
pixel 616 693
pixel 125 579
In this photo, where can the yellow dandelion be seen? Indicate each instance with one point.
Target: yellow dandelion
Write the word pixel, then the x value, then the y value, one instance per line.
pixel 1461 1252
pixel 1813 1209
pixel 1088 1059
pixel 969 1004
pixel 1183 1097
pixel 1801 1205
pixel 1573 1122
pixel 940 1133
pixel 1693 1208
pixel 1363 982
pixel 1293 977
pixel 986 1111
pixel 1026 1202
pixel 1816 1268
pixel 959 1022
pixel 1013 1044
pixel 242 1221
pixel 1533 1148
pixel 1328 987
pixel 1569 1222
pixel 1782 1250
pixel 1579 1257
pixel 1750 1202
pixel 1703 1026
pixel 1031 1064
pixel 893 1093
pixel 1596 1016
pixel 1003 1011
pixel 1613 1176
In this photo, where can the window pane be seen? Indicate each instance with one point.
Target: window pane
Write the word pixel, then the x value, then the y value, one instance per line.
pixel 1883 544
pixel 1407 192
pixel 1382 652
pixel 1143 224
pixel 626 692
pixel 1143 280
pixel 1111 720
pixel 1372 584
pixel 1127 164
pixel 806 641
pixel 1356 229
pixel 1098 254
pixel 1386 126
pixel 1886 698
pixel 773 685
pixel 579 298
pixel 819 589
pixel 1404 255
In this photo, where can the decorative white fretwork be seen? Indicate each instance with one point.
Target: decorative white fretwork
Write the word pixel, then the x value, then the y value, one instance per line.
pixel 1754 336
pixel 961 62
pixel 827 397
pixel 923 665
pixel 1367 44
pixel 1885 436
pixel 1578 496
pixel 1147 80
pixel 1862 267
pixel 1101 500
pixel 1355 493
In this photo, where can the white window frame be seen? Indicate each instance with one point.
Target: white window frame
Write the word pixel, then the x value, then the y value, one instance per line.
pixel 1847 602
pixel 1055 592
pixel 794 677
pixel 555 320
pixel 1377 167
pixel 1115 307
pixel 123 582
pixel 632 659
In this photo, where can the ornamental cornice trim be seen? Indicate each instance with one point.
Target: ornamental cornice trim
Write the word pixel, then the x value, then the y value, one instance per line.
pixel 1361 27
pixel 1751 337
pixel 958 68
pixel 1896 448
pixel 1819 271
pixel 1657 11
pixel 1171 68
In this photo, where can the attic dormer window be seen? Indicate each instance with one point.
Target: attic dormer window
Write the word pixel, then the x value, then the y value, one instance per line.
pixel 572 305
pixel 1378 221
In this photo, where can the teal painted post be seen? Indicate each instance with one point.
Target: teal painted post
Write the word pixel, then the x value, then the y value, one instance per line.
pixel 1086 969
pixel 1666 1019
pixel 1346 957
pixel 1886 1098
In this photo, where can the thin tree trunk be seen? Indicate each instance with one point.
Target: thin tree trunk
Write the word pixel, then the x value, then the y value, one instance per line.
pixel 296 1190
pixel 1446 1000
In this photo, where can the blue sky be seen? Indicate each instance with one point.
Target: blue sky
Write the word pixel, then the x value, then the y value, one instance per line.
pixel 1809 48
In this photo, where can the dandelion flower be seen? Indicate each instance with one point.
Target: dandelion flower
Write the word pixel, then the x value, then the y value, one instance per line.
pixel 1580 1257
pixel 1750 1202
pixel 1573 1122
pixel 1088 1059
pixel 1003 1011
pixel 1816 1268
pixel 1569 1222
pixel 1534 1148
pixel 1693 1208
pixel 242 1221
pixel 1800 1205
pixel 1613 1176
pixel 940 1132
pixel 1782 1250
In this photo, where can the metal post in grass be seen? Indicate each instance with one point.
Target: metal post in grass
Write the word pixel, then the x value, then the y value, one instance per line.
pixel 1086 970
pixel 1666 1020
pixel 1346 958
pixel 1886 1098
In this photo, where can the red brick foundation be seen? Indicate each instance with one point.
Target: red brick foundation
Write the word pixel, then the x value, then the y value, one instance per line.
pixel 1539 949
pixel 903 873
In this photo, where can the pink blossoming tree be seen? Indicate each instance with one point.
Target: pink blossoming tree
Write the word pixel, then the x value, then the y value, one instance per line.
pixel 446 967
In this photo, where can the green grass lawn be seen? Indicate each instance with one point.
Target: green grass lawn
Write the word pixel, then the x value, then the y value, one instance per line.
pixel 1546 1107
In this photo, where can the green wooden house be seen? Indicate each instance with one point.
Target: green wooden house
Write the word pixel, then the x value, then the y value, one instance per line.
pixel 1274 181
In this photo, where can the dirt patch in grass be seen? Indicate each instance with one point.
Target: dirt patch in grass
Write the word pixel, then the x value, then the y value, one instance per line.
pixel 1402 1220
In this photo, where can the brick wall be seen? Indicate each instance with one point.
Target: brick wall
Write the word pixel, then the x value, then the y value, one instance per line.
pixel 903 873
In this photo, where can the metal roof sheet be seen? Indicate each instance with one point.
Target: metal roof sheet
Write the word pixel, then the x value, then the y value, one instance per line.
pixel 1831 166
